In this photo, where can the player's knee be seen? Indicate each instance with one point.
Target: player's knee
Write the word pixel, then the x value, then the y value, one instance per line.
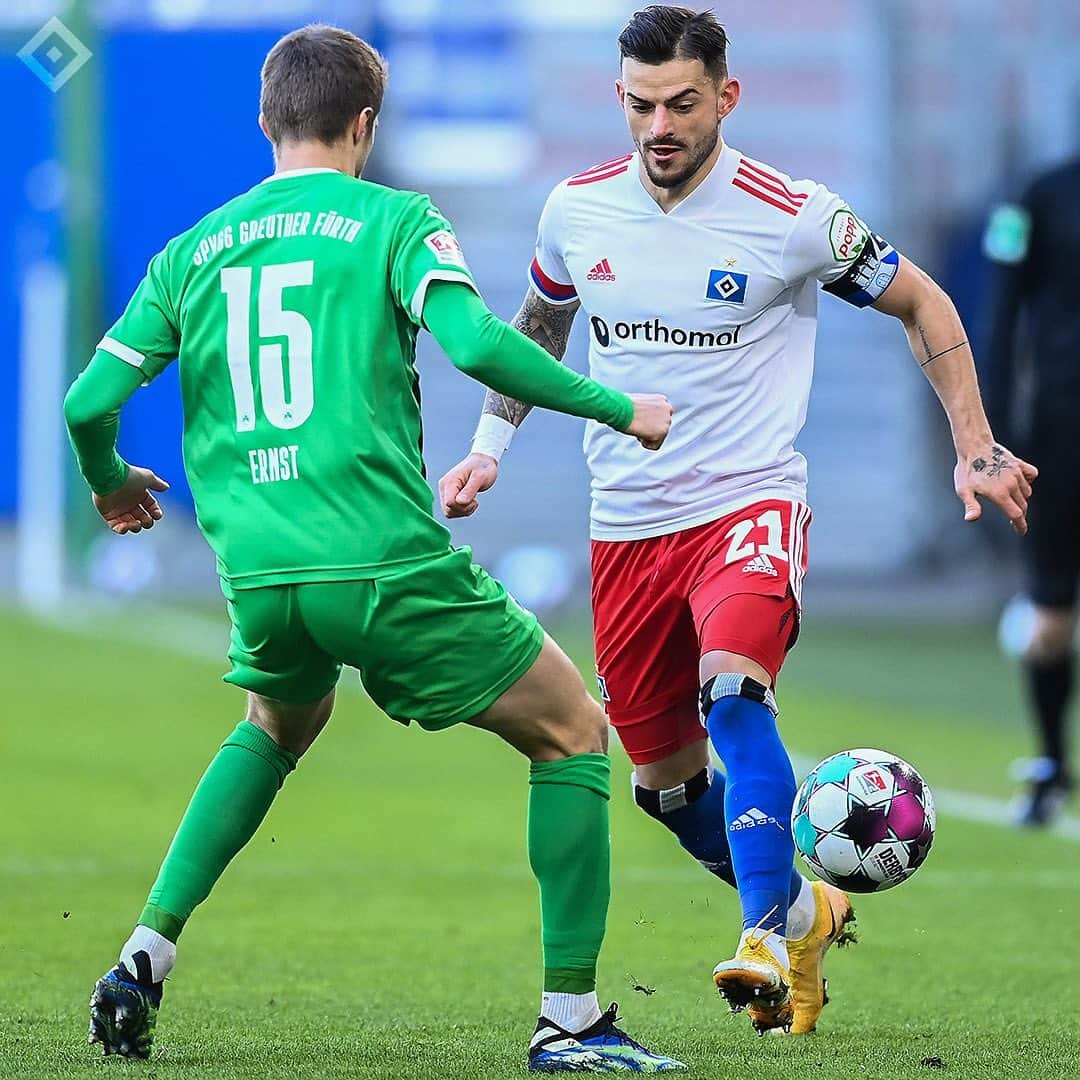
pixel 674 768
pixel 587 732
pixel 292 727
pixel 580 729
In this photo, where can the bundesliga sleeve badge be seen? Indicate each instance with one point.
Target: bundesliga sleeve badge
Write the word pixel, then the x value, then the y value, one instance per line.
pixel 446 248
pixel 727 287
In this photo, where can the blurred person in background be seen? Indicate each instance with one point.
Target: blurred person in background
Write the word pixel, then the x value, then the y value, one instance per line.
pixel 701 266
pixel 1030 373
pixel 293 312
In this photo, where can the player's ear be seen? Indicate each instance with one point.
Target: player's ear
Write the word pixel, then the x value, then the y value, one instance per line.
pixel 620 91
pixel 727 97
pixel 366 123
pixel 264 129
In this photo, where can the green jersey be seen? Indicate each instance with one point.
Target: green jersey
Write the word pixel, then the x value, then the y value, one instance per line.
pixel 293 311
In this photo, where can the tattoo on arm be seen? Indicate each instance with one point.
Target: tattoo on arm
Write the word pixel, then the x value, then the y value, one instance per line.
pixel 506 408
pixel 998 463
pixel 930 355
pixel 925 343
pixel 951 348
pixel 549 326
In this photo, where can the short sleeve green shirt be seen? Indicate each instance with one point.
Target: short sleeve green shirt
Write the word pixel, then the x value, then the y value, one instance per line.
pixel 293 311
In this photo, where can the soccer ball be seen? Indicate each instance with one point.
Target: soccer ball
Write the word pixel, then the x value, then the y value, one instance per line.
pixel 863 820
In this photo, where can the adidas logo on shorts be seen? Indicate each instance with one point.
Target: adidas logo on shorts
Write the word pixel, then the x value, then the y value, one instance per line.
pixel 760 564
pixel 753 817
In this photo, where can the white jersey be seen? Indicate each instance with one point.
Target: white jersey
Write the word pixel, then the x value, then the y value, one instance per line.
pixel 713 304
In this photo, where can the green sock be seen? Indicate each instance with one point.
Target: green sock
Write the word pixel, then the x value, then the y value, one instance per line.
pixel 228 806
pixel 570 854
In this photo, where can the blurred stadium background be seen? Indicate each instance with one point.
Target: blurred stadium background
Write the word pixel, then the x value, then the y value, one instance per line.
pixel 921 112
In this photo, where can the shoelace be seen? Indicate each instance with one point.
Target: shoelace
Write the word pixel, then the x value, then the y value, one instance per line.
pixel 610 1019
pixel 755 942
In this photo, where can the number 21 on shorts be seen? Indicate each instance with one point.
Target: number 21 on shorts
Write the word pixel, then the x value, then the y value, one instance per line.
pixel 740 547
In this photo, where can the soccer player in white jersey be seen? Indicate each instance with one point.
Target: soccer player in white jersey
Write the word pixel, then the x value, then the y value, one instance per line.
pixel 701 267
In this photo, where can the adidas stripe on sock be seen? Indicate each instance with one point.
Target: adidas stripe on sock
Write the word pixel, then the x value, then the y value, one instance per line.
pixel 750 818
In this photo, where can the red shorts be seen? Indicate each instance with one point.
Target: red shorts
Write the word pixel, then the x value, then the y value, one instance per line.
pixel 659 604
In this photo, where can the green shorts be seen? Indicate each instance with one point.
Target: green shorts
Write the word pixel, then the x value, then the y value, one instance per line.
pixel 436 643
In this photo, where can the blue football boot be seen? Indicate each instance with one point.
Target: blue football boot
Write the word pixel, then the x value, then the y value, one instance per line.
pixel 123 1010
pixel 601 1047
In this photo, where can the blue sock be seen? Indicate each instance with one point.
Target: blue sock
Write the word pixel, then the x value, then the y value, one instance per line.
pixel 760 791
pixel 694 812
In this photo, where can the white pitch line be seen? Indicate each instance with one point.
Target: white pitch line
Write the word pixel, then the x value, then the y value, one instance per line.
pixel 202 638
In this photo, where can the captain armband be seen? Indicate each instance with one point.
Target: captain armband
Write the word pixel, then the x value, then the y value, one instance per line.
pixel 869 275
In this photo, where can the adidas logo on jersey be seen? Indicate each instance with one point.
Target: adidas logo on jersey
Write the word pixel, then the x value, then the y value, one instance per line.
pixel 753 817
pixel 760 564
pixel 601 272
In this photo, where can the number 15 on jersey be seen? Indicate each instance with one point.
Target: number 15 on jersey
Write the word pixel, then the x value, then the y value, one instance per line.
pixel 286 385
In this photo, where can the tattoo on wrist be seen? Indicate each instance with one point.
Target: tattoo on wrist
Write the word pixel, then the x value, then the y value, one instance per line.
pixel 506 408
pixel 998 463
pixel 951 348
pixel 549 327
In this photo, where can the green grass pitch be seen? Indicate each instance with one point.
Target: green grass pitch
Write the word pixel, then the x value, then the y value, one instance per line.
pixel 383 922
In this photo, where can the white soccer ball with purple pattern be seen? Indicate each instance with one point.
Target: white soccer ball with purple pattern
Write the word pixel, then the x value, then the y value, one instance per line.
pixel 863 820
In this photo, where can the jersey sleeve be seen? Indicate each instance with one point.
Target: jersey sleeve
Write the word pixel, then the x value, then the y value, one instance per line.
pixel 425 250
pixel 147 335
pixel 548 274
pixel 829 242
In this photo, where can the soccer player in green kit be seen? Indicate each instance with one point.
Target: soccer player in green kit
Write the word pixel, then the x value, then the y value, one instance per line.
pixel 294 310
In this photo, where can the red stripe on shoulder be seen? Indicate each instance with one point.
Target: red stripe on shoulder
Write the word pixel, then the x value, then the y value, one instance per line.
pixel 603 166
pixel 759 194
pixel 594 178
pixel 766 175
pixel 772 189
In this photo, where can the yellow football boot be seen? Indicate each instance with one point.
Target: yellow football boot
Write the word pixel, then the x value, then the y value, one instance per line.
pixel 755 980
pixel 834 920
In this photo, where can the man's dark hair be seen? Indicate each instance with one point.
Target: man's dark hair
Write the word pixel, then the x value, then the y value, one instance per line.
pixel 660 33
pixel 316 80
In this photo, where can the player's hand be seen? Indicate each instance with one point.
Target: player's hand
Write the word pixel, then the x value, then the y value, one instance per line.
pixel 132 506
pixel 996 474
pixel 652 420
pixel 459 488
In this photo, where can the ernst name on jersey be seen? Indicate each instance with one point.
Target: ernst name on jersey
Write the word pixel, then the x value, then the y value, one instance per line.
pixel 272 463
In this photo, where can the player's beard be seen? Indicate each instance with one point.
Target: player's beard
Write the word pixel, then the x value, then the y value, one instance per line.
pixel 696 156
